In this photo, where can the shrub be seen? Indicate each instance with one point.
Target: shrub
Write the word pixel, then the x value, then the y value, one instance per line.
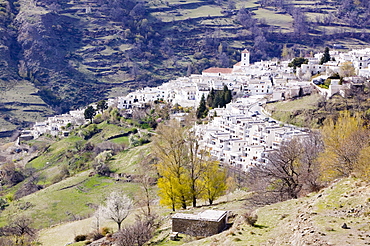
pixel 80 238
pixel 105 231
pixel 96 236
pixel 250 218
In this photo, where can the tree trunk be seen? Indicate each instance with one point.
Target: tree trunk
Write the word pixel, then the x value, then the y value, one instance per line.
pixel 210 201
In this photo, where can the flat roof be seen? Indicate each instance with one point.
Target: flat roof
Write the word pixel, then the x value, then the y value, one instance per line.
pixel 207 215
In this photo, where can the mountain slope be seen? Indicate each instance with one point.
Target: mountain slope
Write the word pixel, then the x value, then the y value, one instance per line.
pixel 313 220
pixel 77 52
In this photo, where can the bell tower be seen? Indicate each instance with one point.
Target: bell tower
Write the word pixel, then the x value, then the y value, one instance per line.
pixel 245 58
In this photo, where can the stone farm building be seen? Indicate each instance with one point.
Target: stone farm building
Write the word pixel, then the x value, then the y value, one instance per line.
pixel 206 223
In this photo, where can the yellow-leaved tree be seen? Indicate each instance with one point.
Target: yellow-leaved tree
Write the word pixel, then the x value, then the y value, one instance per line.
pixel 363 166
pixel 345 141
pixel 185 169
pixel 170 149
pixel 214 182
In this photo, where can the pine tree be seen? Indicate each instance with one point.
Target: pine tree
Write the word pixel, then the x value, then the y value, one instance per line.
pixel 227 95
pixel 326 57
pixel 210 98
pixel 202 109
pixel 89 113
pixel 219 100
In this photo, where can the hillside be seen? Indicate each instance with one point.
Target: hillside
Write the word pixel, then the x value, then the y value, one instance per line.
pixel 316 219
pixel 59 183
pixel 312 111
pixel 76 52
pixel 54 180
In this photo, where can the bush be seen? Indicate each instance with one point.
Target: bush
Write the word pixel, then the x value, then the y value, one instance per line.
pixel 80 238
pixel 96 236
pixel 250 218
pixel 105 231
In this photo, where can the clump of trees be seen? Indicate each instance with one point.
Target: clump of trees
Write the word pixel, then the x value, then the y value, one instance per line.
pixel 186 172
pixel 297 62
pixel 136 234
pixel 215 99
pixel 219 98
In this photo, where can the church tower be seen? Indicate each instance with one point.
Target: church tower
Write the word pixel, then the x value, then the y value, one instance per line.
pixel 245 58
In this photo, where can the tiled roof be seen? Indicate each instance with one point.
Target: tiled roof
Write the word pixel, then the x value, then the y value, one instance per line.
pixel 218 70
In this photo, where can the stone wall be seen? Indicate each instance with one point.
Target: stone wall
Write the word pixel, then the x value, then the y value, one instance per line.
pixel 198 227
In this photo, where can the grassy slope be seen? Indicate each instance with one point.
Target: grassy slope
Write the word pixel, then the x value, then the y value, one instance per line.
pixel 314 219
pixel 286 110
pixel 74 197
pixel 311 111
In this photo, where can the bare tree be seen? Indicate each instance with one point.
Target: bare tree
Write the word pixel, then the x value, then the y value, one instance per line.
pixel 136 234
pixel 283 168
pixel 20 228
pixel 291 171
pixel 313 146
pixel 117 207
pixel 146 180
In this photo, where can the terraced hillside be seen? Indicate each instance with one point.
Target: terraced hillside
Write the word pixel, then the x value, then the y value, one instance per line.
pixel 78 51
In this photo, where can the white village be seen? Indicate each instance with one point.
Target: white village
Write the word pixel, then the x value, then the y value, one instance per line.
pixel 242 133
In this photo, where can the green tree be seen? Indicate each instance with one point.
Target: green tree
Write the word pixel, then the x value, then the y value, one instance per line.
pixel 227 95
pixel 297 62
pixel 102 105
pixel 326 56
pixel 210 98
pixel 89 113
pixel 219 101
pixel 202 109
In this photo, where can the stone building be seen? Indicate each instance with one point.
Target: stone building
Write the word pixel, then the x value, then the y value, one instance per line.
pixel 206 223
